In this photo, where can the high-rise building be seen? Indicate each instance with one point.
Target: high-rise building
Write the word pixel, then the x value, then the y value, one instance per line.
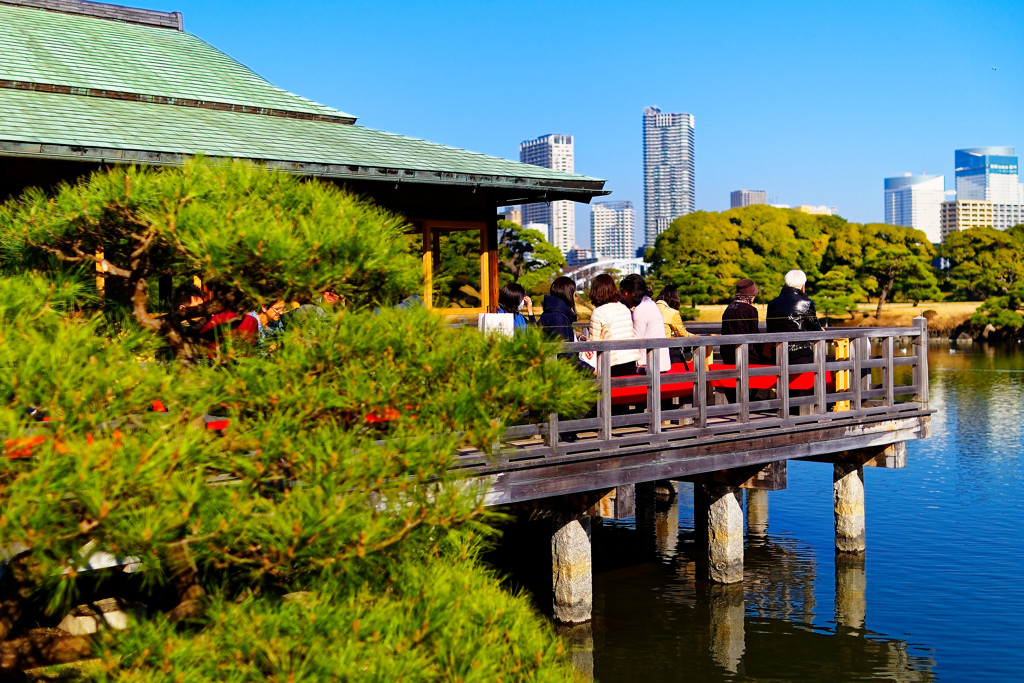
pixel 915 201
pixel 988 173
pixel 964 214
pixel 612 225
pixel 513 214
pixel 669 182
pixel 740 198
pixel 552 151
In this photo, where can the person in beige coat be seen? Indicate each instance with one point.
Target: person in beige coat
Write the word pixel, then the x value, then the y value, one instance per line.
pixel 612 320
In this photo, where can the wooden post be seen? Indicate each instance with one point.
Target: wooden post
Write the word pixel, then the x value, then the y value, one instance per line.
pixel 571 569
pixel 921 366
pixel 782 386
pixel 743 383
pixel 848 502
pixel 654 390
pixel 428 267
pixel 492 263
pixel 700 385
pixel 887 375
pixel 604 408
pixel 819 376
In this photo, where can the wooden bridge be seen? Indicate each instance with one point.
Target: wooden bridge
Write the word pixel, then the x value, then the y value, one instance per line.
pixel 724 427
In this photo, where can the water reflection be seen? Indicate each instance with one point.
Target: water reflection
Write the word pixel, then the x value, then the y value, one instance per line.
pixel 654 620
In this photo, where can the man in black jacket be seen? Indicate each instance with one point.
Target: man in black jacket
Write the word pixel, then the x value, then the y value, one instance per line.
pixel 793 311
pixel 740 317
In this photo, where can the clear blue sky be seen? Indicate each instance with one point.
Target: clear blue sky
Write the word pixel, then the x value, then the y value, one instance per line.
pixel 815 102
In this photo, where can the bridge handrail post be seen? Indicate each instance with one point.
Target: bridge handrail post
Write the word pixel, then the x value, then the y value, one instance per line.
pixel 553 433
pixel 782 386
pixel 921 366
pixel 819 376
pixel 887 355
pixel 604 406
pixel 654 389
pixel 743 385
pixel 700 386
pixel 857 380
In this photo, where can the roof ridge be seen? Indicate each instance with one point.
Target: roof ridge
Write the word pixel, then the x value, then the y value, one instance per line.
pixel 173 101
pixel 102 10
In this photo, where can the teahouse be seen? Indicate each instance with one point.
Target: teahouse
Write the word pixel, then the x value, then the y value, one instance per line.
pixel 85 84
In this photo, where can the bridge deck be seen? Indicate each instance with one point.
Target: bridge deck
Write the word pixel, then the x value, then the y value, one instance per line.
pixel 865 387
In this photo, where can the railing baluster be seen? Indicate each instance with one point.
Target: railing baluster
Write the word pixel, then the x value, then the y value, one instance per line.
pixel 553 433
pixel 782 386
pixel 700 385
pixel 604 363
pixel 921 366
pixel 654 391
pixel 819 377
pixel 743 385
pixel 888 379
pixel 856 382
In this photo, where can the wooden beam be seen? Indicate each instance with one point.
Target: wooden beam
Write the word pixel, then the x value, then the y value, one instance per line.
pixel 891 456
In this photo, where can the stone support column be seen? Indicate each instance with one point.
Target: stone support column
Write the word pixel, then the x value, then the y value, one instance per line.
pixel 571 574
pixel 848 500
pixel 720 512
pixel 757 512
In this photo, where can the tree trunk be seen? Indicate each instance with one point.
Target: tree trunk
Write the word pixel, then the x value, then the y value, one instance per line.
pixel 882 297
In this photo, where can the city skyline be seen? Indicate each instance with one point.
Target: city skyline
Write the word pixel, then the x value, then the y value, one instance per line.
pixel 815 119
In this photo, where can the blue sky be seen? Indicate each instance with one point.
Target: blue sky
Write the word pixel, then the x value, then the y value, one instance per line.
pixel 815 102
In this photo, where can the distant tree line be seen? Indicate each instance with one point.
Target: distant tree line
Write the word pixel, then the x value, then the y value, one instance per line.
pixel 705 253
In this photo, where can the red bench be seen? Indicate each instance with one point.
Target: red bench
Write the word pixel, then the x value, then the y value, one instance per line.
pixel 669 389
pixel 803 381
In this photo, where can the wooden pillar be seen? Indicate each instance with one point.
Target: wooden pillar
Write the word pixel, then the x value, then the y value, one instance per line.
pixel 851 586
pixel 848 501
pixel 571 575
pixel 491 246
pixel 721 514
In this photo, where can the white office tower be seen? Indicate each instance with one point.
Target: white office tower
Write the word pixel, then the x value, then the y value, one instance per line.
pixel 669 182
pixel 611 229
pixel 552 151
pixel 916 202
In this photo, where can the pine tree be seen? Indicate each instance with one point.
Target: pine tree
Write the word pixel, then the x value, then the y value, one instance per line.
pixel 323 531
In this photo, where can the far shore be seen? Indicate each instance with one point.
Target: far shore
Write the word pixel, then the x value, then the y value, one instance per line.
pixel 945 315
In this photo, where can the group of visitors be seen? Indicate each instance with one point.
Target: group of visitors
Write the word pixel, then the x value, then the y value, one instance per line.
pixel 791 311
pixel 626 311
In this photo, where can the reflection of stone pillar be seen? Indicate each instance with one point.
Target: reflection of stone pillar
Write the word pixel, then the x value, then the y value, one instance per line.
pixel 727 627
pixel 848 500
pixel 646 516
pixel 580 638
pixel 851 584
pixel 757 512
pixel 570 569
pixel 721 514
pixel 666 527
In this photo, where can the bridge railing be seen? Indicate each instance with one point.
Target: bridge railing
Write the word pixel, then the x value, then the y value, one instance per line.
pixel 855 374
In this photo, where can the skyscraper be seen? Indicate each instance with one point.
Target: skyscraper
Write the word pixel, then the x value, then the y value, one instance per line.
pixel 740 198
pixel 987 173
pixel 611 229
pixel 916 201
pixel 552 151
pixel 669 183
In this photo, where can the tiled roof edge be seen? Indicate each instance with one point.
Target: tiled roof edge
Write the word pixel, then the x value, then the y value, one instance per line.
pixel 174 101
pixel 577 190
pixel 102 10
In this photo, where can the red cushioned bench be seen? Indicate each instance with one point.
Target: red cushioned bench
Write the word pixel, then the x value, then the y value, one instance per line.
pixel 669 389
pixel 803 381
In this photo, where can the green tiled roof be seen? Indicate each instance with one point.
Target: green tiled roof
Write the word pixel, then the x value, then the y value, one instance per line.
pixel 39 46
pixel 90 88
pixel 38 119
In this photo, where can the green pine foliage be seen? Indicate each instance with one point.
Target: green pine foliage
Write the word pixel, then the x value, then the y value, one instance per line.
pixel 330 533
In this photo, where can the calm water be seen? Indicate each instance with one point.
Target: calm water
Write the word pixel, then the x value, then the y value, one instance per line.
pixel 939 594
